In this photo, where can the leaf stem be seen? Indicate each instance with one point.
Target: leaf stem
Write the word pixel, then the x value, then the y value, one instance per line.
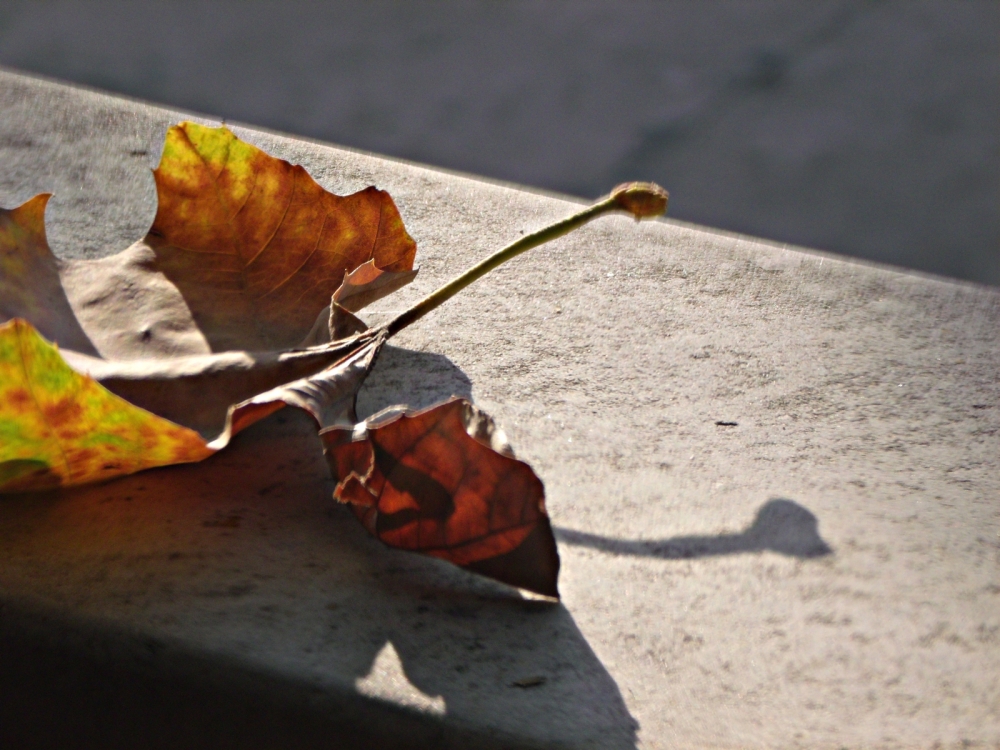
pixel 641 199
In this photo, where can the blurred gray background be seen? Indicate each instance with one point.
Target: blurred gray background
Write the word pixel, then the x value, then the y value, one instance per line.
pixel 870 128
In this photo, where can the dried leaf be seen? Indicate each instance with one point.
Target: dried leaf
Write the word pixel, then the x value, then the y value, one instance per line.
pixel 61 428
pixel 58 427
pixel 367 283
pixel 244 251
pixel 328 396
pixel 198 390
pixel 360 288
pixel 192 321
pixel 30 286
pixel 254 245
pixel 238 303
pixel 443 482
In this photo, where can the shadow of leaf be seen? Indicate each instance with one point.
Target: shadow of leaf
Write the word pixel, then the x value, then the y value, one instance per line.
pixel 417 379
pixel 781 526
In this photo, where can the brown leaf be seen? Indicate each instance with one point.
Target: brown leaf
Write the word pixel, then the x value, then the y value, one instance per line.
pixel 327 396
pixel 30 286
pixel 197 390
pixel 360 288
pixel 254 245
pixel 210 324
pixel 60 428
pixel 244 252
pixel 198 317
pixel 367 283
pixel 443 482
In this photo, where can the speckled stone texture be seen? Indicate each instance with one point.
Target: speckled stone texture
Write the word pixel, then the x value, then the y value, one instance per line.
pixel 774 477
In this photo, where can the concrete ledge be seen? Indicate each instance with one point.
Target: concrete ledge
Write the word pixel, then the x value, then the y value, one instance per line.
pixel 774 477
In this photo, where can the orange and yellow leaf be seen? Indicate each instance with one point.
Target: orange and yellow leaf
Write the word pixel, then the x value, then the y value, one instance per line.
pixel 254 244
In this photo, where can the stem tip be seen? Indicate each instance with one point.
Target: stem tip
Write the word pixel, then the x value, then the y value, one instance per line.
pixel 644 200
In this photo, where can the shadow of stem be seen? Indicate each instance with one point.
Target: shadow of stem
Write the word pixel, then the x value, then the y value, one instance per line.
pixel 781 526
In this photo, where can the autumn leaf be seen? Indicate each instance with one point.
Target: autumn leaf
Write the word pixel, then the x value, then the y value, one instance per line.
pixel 244 253
pixel 254 245
pixel 58 427
pixel 367 283
pixel 240 302
pixel 444 482
pixel 30 286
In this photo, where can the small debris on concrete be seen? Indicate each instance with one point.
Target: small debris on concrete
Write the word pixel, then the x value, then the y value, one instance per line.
pixel 529 682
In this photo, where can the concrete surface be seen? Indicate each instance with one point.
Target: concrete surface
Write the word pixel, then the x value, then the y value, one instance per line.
pixel 774 476
pixel 865 127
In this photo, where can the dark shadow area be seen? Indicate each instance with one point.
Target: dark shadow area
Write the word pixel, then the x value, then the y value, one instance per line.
pixel 233 603
pixel 781 526
pixel 81 684
pixel 512 666
pixel 456 632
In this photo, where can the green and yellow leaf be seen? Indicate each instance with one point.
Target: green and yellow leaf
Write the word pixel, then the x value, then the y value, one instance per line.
pixel 61 428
